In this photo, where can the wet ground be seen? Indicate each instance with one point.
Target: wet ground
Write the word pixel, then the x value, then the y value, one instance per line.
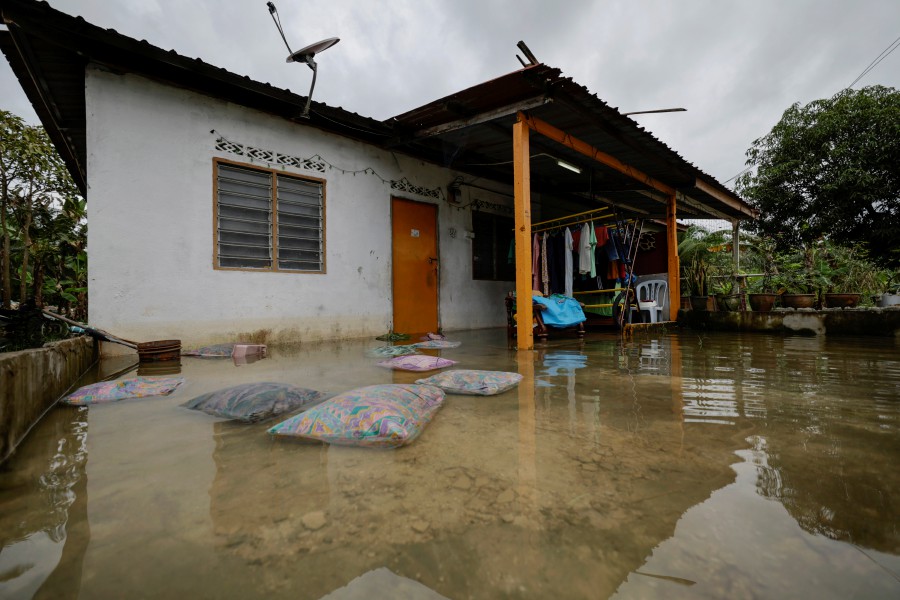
pixel 667 465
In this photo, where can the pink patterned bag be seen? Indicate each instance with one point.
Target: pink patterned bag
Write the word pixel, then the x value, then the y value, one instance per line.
pixel 417 362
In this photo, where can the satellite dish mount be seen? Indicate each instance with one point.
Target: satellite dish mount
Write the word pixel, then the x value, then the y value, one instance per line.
pixel 304 55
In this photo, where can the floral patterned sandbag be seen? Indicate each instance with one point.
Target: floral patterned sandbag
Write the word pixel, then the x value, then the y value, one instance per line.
pixel 470 382
pixel 385 351
pixel 417 362
pixel 378 416
pixel 112 391
pixel 437 344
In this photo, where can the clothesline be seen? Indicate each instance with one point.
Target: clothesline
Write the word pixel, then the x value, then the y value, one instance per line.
pixel 581 214
pixel 587 220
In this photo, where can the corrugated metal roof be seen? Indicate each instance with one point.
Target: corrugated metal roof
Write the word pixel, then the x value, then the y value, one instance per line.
pixel 48 50
pixel 483 146
pixel 470 131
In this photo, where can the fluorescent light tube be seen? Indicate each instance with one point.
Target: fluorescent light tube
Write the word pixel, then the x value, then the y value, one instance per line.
pixel 568 166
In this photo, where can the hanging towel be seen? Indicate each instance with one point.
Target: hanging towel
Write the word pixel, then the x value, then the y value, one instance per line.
pixel 593 244
pixel 545 273
pixel 569 248
pixel 584 250
pixel 535 261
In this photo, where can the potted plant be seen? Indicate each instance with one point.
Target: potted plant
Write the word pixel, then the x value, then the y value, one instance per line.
pixel 728 295
pixel 798 279
pixel 695 275
pixel 848 275
pixel 763 292
pixel 887 293
pixel 889 299
pixel 762 296
pixel 697 261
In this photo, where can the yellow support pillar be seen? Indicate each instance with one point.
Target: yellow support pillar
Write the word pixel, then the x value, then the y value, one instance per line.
pixel 522 190
pixel 674 264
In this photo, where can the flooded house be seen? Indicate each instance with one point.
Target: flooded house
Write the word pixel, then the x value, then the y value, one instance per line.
pixel 666 463
pixel 218 212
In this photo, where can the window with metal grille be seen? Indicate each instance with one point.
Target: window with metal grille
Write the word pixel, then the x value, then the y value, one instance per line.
pixel 269 221
pixel 491 246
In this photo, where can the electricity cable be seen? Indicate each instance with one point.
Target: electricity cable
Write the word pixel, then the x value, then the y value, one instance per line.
pixel 884 54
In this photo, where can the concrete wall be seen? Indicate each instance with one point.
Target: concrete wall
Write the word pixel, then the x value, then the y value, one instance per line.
pixel 882 322
pixel 31 381
pixel 150 204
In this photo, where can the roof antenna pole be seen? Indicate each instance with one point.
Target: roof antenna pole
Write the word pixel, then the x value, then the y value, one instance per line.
pixel 277 20
pixel 312 65
pixel 527 53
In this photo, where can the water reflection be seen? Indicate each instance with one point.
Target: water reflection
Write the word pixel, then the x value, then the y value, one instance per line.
pixel 838 486
pixel 663 465
pixel 828 450
pixel 43 509
pixel 740 545
pixel 645 354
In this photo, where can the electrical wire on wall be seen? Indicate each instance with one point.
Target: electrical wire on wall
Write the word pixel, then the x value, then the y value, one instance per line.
pixel 270 158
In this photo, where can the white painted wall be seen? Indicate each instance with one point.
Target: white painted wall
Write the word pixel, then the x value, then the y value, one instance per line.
pixel 150 214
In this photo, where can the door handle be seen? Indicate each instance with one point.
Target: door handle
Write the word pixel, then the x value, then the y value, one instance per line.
pixel 432 260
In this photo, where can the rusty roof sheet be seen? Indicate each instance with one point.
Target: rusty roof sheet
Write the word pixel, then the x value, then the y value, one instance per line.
pixel 484 144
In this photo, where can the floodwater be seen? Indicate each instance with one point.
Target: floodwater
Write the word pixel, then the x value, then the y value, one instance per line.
pixel 667 465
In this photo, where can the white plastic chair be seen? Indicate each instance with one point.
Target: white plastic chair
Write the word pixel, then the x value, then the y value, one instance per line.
pixel 650 296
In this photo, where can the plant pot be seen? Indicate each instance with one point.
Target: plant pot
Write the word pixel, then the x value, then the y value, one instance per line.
pixel 699 302
pixel 889 300
pixel 798 300
pixel 762 302
pixel 729 302
pixel 841 300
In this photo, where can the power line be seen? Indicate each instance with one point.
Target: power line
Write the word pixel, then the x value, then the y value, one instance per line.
pixel 738 175
pixel 884 54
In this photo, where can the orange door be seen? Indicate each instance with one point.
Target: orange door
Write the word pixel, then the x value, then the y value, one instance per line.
pixel 415 266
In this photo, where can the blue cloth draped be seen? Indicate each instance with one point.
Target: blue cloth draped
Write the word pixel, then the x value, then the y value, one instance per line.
pixel 562 311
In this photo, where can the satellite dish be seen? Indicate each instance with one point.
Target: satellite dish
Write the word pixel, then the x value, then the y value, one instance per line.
pixel 305 55
pixel 310 51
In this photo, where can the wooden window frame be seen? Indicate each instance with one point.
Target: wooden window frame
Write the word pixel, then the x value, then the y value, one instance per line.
pixel 275 173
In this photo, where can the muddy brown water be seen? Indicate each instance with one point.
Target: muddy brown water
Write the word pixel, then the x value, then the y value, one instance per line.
pixel 675 465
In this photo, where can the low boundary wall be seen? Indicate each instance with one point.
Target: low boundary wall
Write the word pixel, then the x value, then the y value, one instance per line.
pixel 881 322
pixel 31 381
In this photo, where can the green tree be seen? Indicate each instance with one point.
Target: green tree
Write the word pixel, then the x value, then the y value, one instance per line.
pixel 12 132
pixel 42 218
pixel 829 169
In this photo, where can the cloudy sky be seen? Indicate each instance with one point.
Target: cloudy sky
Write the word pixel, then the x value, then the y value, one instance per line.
pixel 734 65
